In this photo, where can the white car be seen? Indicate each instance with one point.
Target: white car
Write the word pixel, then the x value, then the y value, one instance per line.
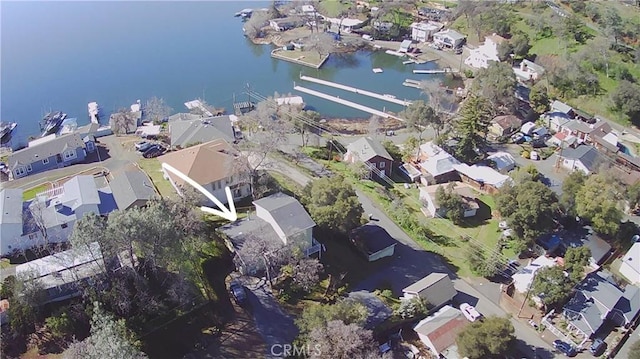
pixel 470 312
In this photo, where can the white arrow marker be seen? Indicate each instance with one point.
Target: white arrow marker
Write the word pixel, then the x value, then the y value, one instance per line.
pixel 229 214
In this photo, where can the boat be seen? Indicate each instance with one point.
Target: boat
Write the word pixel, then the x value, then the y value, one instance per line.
pixel 377 70
pixel 51 122
pixel 6 128
pixel 388 95
pixel 94 112
pixel 408 62
pixel 244 13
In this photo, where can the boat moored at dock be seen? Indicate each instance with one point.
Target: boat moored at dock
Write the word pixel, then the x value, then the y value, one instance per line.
pixel 94 112
pixel 51 122
pixel 5 130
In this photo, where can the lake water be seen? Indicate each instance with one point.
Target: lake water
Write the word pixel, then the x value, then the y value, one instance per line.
pixel 62 55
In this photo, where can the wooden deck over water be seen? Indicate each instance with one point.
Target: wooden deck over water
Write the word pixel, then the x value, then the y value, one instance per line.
pixel 356 90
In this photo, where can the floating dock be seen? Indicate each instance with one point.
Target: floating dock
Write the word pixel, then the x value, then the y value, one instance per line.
pixel 411 83
pixel 356 90
pixel 442 71
pixel 346 103
pixel 395 53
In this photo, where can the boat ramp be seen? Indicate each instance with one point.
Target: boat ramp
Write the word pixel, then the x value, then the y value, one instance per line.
pixel 378 96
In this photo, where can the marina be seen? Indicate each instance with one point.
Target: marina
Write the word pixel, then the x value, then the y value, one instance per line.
pixel 351 104
pixel 385 97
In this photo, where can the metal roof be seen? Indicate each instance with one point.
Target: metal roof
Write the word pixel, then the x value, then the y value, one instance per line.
pixel 10 206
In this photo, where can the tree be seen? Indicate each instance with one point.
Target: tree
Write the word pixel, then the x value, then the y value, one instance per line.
pixel 306 273
pixel 410 308
pixel 539 99
pixel 342 341
pixel 472 128
pixel 8 287
pixel 253 27
pixel 552 286
pixel 527 173
pixel 409 148
pixel 442 102
pixel 59 326
pixel 323 42
pixel 393 150
pixel 634 351
pixel 319 315
pixel 529 207
pixel 570 188
pixel 598 201
pixel 497 83
pixel 575 259
pixel 613 24
pixel 479 263
pixel 333 204
pixel 109 339
pixel 626 100
pixel 504 50
pixel 157 110
pixel 452 202
pixel 520 44
pixel 491 337
pixel 122 121
pixel 418 116
pixel 633 197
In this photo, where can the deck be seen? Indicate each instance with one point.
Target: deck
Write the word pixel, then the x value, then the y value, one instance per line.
pixel 356 90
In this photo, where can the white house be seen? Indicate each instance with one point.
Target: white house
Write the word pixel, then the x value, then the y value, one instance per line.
pixel 630 267
pixel 436 162
pixel 439 331
pixel 523 279
pixel 528 71
pixel 50 217
pixel 345 25
pixel 582 158
pixel 432 208
pixel 449 38
pixel 480 57
pixel 504 161
pixel 423 31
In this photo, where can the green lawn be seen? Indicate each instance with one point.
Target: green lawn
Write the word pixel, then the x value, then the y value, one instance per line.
pixel 31 193
pixel 333 8
pixel 152 167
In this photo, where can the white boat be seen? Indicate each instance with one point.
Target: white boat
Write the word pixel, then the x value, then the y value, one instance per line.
pixel 377 70
pixel 94 111
pixel 408 62
pixel 389 96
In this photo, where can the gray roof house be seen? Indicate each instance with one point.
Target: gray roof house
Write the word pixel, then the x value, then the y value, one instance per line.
pixel 189 132
pixel 436 288
pixel 373 241
pixel 132 189
pixel 583 158
pixel 598 299
pixel 279 221
pixel 373 154
pixel 47 153
pixel 557 106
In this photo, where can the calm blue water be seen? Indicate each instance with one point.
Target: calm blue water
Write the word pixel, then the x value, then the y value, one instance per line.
pixel 62 55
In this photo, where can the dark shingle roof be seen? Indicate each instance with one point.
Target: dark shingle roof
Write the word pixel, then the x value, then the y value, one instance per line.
pixel 44 150
pixel 372 238
pixel 588 155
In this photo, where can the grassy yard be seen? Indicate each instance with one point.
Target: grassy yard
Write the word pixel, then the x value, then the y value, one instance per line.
pixel 333 8
pixel 152 167
pixel 31 193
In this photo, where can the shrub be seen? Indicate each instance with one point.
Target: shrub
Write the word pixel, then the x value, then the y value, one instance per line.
pixel 525 154
pixel 469 74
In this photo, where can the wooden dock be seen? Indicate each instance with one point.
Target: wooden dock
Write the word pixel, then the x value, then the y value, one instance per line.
pixel 335 99
pixel 411 83
pixel 356 90
pixel 442 71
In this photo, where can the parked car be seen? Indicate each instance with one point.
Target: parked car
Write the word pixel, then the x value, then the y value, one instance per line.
pixel 457 51
pixel 143 146
pixel 153 151
pixel 597 347
pixel 470 312
pixel 517 138
pixel 238 293
pixel 565 348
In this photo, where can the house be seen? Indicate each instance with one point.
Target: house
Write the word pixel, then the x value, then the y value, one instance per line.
pixel 345 24
pixel 436 288
pixel 480 57
pixel 505 125
pixel 561 107
pixel 308 9
pixel 502 161
pixel 382 26
pixel 630 267
pixel 599 248
pixel 449 39
pixel 279 221
pixel 50 217
pixel 149 130
pixel 410 171
pixel 561 139
pixel 483 178
pixel 523 279
pixel 373 241
pixel 214 165
pixel 439 331
pixel 599 299
pixel 437 164
pixel 583 158
pixel 47 153
pixel 423 31
pixel 555 121
pixel 285 23
pixel 405 45
pixel 132 189
pixel 371 153
pixel 528 128
pixel 185 133
pixel 528 71
pixel 432 208
pixel 61 274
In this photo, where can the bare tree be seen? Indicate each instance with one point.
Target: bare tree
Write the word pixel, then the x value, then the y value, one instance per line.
pixel 253 26
pixel 342 341
pixel 441 100
pixel 258 253
pixel 375 123
pixel 324 43
pixel 156 110
pixel 122 121
pixel 306 273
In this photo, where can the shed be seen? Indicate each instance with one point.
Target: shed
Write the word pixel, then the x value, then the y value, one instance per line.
pixel 373 241
pixel 436 288
pixel 527 128
pixel 404 46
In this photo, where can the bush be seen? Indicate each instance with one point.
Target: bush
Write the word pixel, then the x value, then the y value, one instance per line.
pixel 525 154
pixel 469 74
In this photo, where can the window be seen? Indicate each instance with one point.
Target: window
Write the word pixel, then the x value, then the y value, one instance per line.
pixel 29 169
pixel 64 225
pixel 219 184
pixel 20 172
pixel 45 161
pixel 69 155
pixel 381 164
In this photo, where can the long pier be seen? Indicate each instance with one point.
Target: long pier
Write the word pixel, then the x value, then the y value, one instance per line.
pixel 443 71
pixel 335 99
pixel 356 90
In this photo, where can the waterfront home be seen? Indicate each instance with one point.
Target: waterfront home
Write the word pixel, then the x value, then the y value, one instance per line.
pixel 528 71
pixel 191 132
pixel 432 208
pixel 436 289
pixel 449 39
pixel 47 153
pixel 436 164
pixel 423 31
pixel 480 57
pixel 214 165
pixel 505 125
pixel 346 25
pixel 370 152
pixel 50 217
pixel 598 299
pixel 373 241
pixel 285 23
pixel 279 221
pixel 630 267
pixel 439 331
pixel 582 158
pixel 132 188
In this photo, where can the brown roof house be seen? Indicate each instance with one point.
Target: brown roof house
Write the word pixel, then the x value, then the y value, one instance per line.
pixel 214 165
pixel 505 125
pixel 439 331
pixel 372 154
